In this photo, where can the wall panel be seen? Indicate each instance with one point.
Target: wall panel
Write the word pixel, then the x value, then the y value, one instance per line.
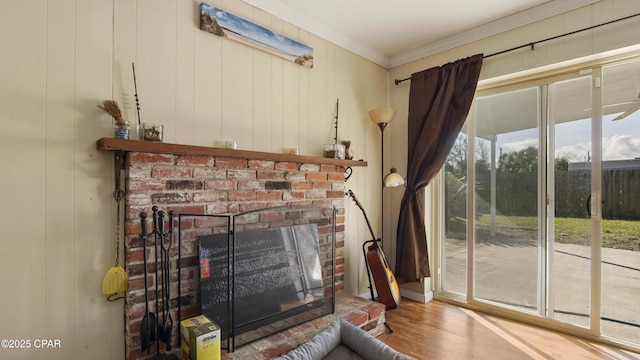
pixel 185 71
pixel 59 177
pixel 156 72
pixel 23 135
pixel 93 209
pixel 262 78
pixel 207 89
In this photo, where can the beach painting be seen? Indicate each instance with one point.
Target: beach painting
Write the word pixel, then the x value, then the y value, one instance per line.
pixel 222 23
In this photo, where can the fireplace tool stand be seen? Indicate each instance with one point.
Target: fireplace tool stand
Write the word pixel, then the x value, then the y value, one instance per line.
pixel 152 330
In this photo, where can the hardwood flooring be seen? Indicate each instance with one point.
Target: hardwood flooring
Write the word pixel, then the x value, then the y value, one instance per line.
pixel 438 330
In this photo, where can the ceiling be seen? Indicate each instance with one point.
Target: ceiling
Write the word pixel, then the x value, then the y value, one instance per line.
pixel 391 33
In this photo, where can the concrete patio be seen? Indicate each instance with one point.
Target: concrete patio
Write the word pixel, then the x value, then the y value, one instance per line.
pixel 509 275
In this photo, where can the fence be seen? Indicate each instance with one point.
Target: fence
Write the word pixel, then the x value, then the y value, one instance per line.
pixel 517 194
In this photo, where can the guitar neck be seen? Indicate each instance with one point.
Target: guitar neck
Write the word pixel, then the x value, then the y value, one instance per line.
pixel 353 197
pixel 369 225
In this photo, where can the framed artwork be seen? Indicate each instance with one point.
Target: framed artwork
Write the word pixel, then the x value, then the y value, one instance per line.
pixel 223 23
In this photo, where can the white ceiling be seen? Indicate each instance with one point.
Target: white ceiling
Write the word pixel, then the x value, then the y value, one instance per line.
pixel 391 33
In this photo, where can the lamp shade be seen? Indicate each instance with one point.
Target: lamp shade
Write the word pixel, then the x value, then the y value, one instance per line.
pixel 393 179
pixel 382 115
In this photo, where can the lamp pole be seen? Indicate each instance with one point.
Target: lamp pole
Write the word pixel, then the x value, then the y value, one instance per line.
pixel 382 126
pixel 382 117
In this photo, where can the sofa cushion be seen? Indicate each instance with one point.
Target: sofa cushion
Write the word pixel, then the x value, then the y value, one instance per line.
pixel 318 346
pixel 366 345
pixel 342 352
pixel 342 340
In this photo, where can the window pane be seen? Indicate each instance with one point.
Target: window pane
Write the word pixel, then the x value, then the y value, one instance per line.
pixel 569 220
pixel 506 233
pixel 454 252
pixel 621 207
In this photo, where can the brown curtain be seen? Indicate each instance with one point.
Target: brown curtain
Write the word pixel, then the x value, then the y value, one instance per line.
pixel 439 101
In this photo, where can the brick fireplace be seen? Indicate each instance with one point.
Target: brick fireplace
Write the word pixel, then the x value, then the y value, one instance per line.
pixel 203 180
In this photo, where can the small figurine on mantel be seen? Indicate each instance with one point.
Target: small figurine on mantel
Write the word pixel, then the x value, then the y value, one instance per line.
pixel 121 130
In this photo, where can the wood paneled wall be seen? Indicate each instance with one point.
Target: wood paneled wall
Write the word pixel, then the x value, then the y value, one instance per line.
pixel 61 58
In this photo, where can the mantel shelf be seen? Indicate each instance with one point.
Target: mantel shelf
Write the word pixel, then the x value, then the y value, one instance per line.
pixel 111 144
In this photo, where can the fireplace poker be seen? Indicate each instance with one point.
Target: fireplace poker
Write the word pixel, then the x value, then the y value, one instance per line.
pixel 149 321
pixel 161 333
pixel 155 233
pixel 167 326
pixel 167 321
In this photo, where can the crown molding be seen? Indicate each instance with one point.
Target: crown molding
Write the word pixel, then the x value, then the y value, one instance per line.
pixel 511 22
pixel 303 21
pixel 507 23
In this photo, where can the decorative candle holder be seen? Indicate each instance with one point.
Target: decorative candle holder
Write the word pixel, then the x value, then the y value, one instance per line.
pixel 152 132
pixel 121 131
pixel 335 151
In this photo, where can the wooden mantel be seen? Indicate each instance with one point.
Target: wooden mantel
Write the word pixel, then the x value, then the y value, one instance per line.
pixel 112 144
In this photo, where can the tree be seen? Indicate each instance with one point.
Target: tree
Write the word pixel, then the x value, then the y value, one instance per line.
pixel 521 161
pixel 483 157
pixel 526 161
pixel 456 163
pixel 561 163
pixel 457 160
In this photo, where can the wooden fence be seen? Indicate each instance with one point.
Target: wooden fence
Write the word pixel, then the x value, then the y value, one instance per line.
pixel 517 194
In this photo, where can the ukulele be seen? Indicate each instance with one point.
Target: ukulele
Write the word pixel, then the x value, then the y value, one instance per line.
pixel 385 281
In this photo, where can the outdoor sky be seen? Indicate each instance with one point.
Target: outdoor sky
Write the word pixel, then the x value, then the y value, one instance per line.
pixel 620 139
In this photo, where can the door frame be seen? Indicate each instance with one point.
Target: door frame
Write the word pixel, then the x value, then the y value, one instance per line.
pixel 594 69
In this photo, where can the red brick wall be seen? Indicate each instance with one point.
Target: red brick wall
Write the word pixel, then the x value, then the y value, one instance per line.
pixel 211 185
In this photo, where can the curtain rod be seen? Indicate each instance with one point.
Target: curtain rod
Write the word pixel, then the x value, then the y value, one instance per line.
pixel 532 44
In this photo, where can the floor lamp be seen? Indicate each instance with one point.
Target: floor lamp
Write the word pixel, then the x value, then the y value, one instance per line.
pixel 382 117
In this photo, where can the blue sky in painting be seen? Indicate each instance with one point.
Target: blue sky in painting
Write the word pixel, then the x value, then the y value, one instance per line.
pixel 255 32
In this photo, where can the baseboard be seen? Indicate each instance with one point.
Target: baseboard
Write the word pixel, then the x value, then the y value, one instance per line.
pixel 416 296
pixel 366 295
pixel 406 293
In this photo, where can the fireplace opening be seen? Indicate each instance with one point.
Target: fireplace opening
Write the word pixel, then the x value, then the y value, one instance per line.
pixel 264 271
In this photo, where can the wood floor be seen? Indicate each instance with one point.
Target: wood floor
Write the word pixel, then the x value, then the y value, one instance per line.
pixel 438 330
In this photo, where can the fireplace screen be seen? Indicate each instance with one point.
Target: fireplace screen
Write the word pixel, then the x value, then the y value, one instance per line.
pixel 273 269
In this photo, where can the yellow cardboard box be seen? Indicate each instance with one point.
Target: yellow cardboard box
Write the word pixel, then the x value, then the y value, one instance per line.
pixel 200 338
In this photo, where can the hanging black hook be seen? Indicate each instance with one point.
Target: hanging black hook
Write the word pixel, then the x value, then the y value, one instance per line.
pixel 348 172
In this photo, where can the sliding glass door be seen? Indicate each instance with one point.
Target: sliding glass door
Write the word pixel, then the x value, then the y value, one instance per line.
pixel 620 259
pixel 570 169
pixel 506 202
pixel 544 217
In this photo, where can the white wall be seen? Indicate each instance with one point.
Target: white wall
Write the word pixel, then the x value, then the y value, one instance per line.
pixel 596 41
pixel 60 59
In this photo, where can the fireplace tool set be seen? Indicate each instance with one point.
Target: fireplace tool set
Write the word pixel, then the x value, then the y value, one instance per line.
pixel 152 330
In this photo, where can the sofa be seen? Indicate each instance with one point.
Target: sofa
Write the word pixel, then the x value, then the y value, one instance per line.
pixel 342 340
